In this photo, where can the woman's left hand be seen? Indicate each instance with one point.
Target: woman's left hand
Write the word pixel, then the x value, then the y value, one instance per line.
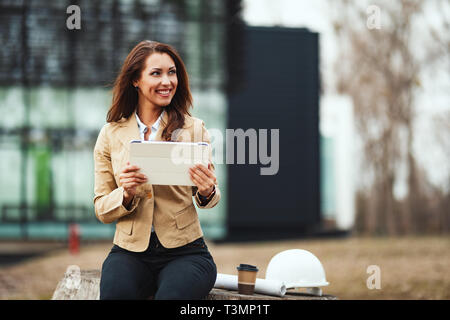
pixel 204 178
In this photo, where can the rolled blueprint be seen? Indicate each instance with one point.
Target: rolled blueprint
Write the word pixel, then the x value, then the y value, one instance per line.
pixel 264 286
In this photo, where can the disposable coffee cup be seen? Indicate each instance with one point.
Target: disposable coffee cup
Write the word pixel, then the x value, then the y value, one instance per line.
pixel 246 278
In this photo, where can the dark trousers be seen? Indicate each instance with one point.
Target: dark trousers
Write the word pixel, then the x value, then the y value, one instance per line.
pixel 187 272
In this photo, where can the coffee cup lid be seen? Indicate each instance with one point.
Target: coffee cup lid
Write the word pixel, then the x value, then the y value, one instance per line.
pixel 247 267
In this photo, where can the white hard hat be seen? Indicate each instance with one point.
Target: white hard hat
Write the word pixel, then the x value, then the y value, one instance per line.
pixel 296 268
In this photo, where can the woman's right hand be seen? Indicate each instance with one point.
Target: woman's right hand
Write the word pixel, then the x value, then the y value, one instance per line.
pixel 130 179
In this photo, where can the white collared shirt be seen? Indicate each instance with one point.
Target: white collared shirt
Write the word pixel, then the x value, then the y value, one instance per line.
pixel 143 128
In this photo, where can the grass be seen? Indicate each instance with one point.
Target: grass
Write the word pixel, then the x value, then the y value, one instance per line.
pixel 411 267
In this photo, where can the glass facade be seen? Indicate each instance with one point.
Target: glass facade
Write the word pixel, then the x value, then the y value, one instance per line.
pixel 54 96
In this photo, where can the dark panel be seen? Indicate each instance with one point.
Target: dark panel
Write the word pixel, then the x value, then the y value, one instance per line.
pixel 39 49
pixel 278 89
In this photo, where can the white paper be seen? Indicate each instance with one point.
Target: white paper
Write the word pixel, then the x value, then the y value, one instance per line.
pixel 264 286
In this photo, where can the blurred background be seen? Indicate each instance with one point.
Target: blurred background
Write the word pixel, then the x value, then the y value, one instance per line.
pixel 360 93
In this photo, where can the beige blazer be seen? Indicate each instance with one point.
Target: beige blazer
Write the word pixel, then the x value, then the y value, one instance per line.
pixel 169 208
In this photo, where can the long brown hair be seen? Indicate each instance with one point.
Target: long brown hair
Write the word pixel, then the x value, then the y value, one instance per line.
pixel 125 95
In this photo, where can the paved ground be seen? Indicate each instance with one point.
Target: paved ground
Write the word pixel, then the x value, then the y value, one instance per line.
pixel 13 252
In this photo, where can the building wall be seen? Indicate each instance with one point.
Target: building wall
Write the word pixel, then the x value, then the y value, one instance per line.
pixel 278 92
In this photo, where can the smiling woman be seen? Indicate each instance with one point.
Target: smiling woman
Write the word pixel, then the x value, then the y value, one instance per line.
pixel 147 66
pixel 158 84
pixel 159 248
pixel 156 87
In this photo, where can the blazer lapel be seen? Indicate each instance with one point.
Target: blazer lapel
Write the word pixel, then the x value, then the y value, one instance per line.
pixel 129 131
pixel 161 127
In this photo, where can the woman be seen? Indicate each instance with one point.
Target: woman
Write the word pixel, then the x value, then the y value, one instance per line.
pixel 159 248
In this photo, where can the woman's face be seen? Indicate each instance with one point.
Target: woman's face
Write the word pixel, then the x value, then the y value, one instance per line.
pixel 158 81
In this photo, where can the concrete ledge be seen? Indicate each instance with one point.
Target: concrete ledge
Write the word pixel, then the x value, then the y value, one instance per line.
pixel 87 287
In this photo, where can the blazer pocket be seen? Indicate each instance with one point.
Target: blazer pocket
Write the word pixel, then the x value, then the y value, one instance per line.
pixel 186 217
pixel 125 224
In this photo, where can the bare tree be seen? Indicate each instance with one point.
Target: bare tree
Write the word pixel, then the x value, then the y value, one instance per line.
pixel 380 69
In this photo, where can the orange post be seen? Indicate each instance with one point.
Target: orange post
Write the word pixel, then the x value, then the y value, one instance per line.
pixel 74 238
